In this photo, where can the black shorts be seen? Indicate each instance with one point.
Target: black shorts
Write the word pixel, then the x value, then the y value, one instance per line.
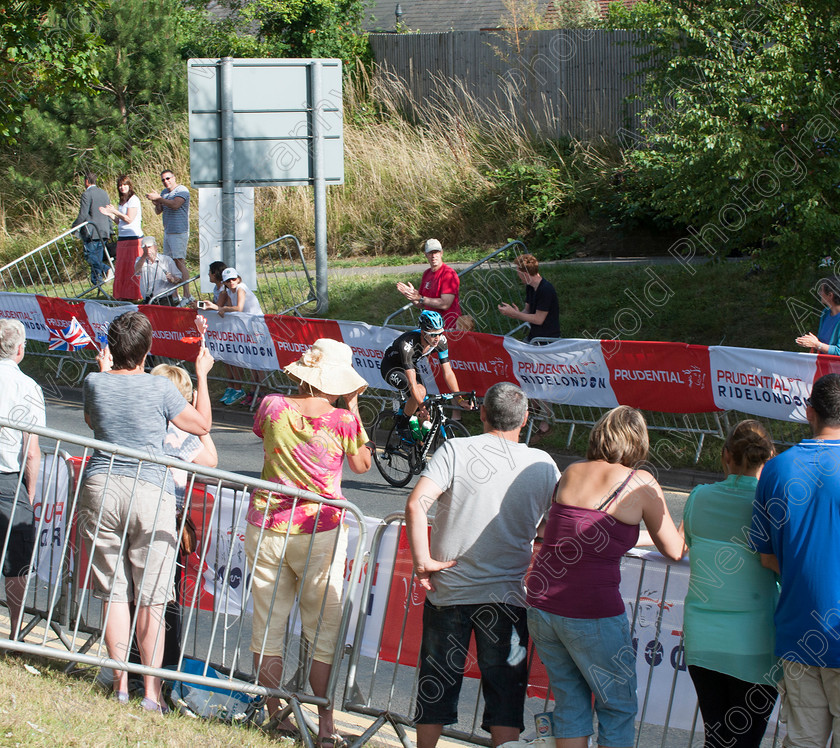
pixel 17 520
pixel 501 641
pixel 395 376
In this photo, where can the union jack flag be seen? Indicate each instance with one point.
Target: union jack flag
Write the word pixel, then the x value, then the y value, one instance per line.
pixel 69 338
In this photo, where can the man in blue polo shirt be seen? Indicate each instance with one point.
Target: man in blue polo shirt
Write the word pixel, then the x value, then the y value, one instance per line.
pixel 796 529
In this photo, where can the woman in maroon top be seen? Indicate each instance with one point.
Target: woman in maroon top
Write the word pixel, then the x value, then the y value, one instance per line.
pixel 577 617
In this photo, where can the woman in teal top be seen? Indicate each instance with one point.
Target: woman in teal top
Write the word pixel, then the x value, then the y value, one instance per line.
pixel 827 339
pixel 731 599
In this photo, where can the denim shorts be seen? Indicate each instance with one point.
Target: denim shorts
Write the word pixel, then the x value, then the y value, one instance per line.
pixel 501 642
pixel 586 657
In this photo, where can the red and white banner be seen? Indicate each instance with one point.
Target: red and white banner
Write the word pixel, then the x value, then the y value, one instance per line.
pixel 664 377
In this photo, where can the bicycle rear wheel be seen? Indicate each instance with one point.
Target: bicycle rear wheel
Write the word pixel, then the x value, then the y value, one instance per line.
pixel 394 455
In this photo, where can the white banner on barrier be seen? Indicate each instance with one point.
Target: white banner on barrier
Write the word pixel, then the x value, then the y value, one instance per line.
pixel 568 371
pixel 50 508
pixel 773 385
pixel 25 307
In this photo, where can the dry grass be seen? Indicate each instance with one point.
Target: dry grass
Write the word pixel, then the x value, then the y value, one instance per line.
pixel 413 169
pixel 49 709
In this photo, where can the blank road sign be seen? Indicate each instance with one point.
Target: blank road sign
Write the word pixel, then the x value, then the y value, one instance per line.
pixel 274 108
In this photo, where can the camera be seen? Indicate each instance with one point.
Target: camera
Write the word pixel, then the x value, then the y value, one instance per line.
pixel 201 305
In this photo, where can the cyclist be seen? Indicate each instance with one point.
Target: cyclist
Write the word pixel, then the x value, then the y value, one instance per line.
pixel 399 364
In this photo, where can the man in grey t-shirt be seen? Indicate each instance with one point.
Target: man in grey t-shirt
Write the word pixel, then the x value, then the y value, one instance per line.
pixel 491 493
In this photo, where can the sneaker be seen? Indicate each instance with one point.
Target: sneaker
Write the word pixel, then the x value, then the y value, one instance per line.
pixel 186 301
pixel 237 396
pixel 227 396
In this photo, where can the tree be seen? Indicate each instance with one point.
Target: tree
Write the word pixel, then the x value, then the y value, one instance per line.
pixel 138 96
pixel 739 140
pixel 45 47
pixel 311 28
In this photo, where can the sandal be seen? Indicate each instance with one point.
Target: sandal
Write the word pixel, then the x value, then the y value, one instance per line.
pixel 332 741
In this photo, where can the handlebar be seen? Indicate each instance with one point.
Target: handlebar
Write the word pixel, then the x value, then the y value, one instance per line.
pixel 447 396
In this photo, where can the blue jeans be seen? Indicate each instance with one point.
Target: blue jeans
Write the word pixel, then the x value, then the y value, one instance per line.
pixel 95 256
pixel 586 657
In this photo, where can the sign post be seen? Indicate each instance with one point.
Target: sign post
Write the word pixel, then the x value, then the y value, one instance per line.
pixel 261 122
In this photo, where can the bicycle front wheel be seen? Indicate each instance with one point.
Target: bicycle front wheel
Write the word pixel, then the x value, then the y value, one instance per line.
pixel 448 430
pixel 394 455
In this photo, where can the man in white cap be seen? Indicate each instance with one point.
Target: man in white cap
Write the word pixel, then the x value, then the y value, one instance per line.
pixel 158 274
pixel 438 287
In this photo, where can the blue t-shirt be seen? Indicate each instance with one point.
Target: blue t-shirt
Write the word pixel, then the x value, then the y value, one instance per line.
pixel 827 329
pixel 796 516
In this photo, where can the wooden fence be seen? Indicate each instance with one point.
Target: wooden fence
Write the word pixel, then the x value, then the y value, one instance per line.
pixel 576 82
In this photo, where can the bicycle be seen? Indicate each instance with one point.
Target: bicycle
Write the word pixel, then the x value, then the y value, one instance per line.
pixel 401 455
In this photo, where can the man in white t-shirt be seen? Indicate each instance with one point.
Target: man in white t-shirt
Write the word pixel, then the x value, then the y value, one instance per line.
pixel 490 493
pixel 22 402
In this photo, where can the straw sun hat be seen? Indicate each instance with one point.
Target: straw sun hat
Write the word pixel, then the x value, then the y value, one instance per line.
pixel 328 366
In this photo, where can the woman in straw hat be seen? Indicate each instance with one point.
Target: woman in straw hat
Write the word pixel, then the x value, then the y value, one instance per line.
pixel 298 547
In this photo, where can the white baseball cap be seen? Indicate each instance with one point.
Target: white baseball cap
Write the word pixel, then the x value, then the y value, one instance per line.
pixel 432 245
pixel 229 274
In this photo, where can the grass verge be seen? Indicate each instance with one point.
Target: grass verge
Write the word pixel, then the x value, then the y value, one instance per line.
pixel 42 706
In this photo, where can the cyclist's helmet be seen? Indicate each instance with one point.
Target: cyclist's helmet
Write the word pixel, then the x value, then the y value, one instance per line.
pixel 431 322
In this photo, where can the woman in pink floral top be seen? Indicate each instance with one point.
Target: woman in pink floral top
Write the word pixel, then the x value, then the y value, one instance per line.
pixel 298 547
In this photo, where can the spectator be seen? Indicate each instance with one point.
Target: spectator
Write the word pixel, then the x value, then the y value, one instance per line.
pixel 158 274
pixel 22 402
pixel 240 298
pixel 577 617
pixel 129 215
pixel 827 339
pixel 200 450
pixel 173 204
pixel 219 291
pixel 541 312
pixel 794 527
pixel 728 620
pixel 298 548
pixel 130 506
pixel 237 298
pixel 438 287
pixel 492 493
pixel 97 230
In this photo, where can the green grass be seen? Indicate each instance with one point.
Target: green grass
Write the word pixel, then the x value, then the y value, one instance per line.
pixel 50 708
pixel 720 304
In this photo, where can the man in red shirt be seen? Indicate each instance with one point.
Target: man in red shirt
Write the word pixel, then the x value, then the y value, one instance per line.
pixel 438 288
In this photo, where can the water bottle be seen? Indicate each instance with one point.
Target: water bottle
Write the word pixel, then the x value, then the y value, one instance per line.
pixel 416 429
pixel 426 427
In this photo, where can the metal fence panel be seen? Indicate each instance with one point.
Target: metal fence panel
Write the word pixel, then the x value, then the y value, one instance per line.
pixel 560 82
pixel 64 616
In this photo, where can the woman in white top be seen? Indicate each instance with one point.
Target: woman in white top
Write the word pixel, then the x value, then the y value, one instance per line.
pixel 241 297
pixel 129 214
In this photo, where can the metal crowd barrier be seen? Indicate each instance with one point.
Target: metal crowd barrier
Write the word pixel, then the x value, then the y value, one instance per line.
pixel 56 268
pixel 284 285
pixel 65 620
pixel 382 681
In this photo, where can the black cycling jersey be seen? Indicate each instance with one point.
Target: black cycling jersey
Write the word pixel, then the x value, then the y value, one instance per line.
pixel 407 350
